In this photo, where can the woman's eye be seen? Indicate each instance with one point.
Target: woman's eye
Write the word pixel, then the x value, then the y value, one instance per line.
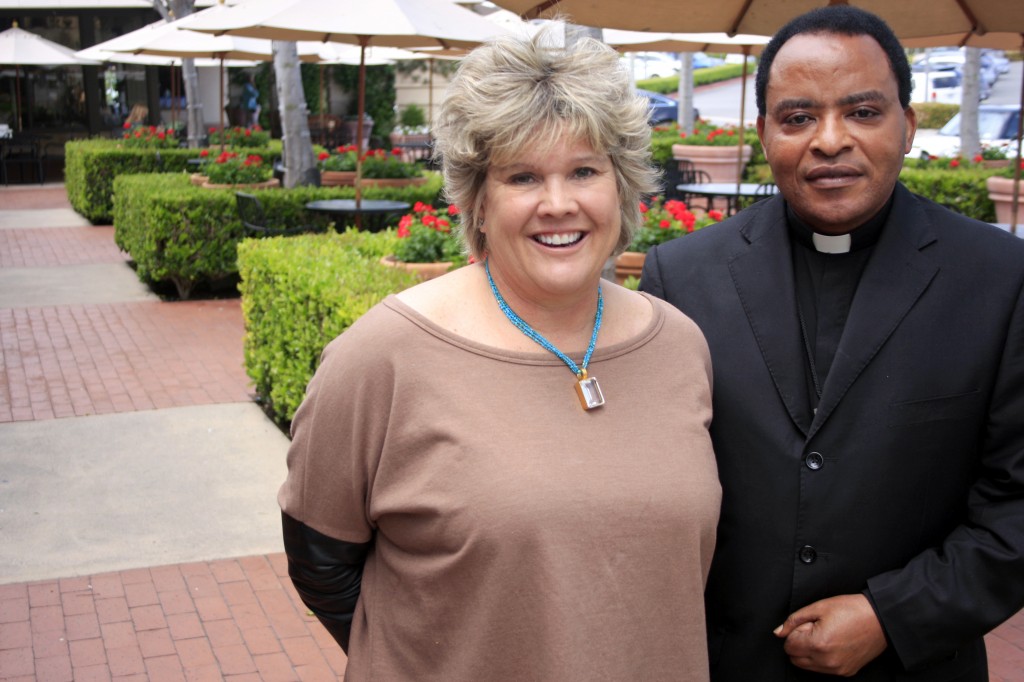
pixel 521 179
pixel 585 172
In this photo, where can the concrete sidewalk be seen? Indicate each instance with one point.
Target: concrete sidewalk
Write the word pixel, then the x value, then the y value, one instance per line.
pixel 141 534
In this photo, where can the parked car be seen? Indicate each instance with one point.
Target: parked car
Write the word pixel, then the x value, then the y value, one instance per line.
pixel 663 109
pixel 997 128
pixel 660 64
pixel 937 86
pixel 651 65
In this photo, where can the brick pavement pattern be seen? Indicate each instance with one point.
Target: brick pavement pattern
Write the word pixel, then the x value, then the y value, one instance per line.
pixel 230 619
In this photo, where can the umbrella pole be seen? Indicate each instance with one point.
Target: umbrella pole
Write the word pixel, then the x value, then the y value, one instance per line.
pixel 220 105
pixel 17 96
pixel 359 127
pixel 430 93
pixel 323 130
pixel 743 127
pixel 1015 206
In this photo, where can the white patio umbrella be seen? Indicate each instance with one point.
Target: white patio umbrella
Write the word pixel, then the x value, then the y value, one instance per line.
pixel 908 18
pixel 172 40
pixel 390 23
pixel 19 47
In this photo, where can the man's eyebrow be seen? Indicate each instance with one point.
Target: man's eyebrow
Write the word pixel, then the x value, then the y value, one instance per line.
pixel 848 100
pixel 861 97
pixel 790 104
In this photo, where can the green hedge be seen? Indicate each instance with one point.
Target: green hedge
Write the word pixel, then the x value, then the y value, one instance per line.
pixel 934 114
pixel 298 293
pixel 961 189
pixel 90 167
pixel 186 235
pixel 669 84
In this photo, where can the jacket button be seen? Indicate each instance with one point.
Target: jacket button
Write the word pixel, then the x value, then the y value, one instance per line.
pixel 814 461
pixel 808 554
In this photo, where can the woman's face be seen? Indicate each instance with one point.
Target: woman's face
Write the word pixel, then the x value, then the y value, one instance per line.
pixel 551 220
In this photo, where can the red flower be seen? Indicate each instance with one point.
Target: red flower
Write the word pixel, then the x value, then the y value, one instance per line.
pixel 977 158
pixel 396 152
pixel 644 208
pixel 161 135
pixel 665 224
pixel 453 210
pixel 212 130
pixel 127 125
pixel 715 215
pixel 248 133
pixel 323 155
pixel 953 163
pixel 204 153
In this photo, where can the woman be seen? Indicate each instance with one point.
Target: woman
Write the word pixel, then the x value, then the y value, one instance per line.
pixel 509 520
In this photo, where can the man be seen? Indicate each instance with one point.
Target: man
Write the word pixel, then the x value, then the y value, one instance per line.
pixel 868 353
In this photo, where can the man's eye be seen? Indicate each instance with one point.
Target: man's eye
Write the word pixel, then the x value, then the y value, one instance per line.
pixel 798 119
pixel 864 113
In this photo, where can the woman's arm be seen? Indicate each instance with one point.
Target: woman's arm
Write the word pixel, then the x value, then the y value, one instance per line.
pixel 327 573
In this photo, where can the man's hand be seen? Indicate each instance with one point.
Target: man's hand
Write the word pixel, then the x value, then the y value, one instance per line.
pixel 837 636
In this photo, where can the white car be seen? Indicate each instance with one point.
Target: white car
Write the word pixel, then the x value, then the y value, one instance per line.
pixel 997 128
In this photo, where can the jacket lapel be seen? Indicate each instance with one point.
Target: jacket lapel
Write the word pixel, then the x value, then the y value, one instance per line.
pixel 894 279
pixel 762 272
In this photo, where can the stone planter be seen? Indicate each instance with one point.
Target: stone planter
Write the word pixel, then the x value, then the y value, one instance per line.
pixel 266 184
pixel 398 139
pixel 424 271
pixel 197 179
pixel 629 264
pixel 719 162
pixel 1000 191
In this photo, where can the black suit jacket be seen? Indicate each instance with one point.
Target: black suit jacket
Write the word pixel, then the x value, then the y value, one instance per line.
pixel 908 482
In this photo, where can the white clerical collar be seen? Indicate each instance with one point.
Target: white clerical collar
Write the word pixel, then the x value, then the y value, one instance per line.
pixel 827 243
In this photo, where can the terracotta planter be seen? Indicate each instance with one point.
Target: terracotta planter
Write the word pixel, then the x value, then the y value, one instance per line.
pixel 629 264
pixel 337 178
pixel 1000 191
pixel 392 182
pixel 348 179
pixel 266 184
pixel 424 271
pixel 719 162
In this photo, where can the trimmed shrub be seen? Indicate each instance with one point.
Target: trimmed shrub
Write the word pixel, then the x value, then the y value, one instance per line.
pixel 669 84
pixel 298 293
pixel 186 235
pixel 960 189
pixel 90 167
pixel 934 114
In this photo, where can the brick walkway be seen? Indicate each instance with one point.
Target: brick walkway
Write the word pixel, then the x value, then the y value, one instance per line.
pixel 233 619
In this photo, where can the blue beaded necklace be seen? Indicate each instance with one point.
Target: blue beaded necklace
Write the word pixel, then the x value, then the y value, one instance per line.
pixel 587 388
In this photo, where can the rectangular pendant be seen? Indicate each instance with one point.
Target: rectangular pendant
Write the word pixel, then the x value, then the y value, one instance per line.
pixel 589 392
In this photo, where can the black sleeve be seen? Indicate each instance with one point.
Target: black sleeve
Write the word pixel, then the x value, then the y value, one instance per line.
pixel 327 574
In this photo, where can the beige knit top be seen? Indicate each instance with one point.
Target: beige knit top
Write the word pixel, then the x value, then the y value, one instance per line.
pixel 516 536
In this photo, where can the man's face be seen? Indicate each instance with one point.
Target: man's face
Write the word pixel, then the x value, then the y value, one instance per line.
pixel 833 131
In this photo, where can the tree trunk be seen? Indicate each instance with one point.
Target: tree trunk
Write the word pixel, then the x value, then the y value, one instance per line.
pixel 970 143
pixel 177 9
pixel 685 92
pixel 300 166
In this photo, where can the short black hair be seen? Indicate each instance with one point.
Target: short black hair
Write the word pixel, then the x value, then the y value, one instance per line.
pixel 841 20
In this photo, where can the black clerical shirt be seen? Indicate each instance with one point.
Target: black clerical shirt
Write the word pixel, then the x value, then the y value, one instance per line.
pixel 825 286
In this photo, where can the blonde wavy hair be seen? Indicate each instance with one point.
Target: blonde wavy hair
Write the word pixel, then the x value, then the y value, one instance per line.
pixel 517 93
